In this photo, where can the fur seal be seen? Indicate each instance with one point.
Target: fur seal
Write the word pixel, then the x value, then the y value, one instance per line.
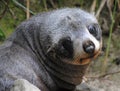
pixel 51 50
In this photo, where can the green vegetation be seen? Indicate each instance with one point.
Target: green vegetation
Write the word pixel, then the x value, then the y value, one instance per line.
pixel 2 35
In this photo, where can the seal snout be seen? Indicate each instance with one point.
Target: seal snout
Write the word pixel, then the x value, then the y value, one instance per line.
pixel 89 47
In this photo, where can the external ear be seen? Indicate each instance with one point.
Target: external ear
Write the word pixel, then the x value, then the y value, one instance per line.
pixel 69 18
pixel 66 20
pixel 71 21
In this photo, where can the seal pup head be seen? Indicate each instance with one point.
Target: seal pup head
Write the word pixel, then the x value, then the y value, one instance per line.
pixel 70 39
pixel 74 36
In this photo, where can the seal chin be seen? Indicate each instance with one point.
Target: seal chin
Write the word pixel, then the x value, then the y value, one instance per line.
pixel 83 60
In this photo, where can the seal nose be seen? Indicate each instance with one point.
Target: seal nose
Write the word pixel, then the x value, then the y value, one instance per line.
pixel 89 47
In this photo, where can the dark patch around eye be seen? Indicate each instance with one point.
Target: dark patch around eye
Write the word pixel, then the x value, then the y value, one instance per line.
pixel 65 48
pixel 95 30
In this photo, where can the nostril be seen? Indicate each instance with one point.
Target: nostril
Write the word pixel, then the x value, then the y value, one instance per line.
pixel 89 47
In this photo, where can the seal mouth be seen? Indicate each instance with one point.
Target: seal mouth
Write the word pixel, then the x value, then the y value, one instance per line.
pixel 87 60
pixel 84 60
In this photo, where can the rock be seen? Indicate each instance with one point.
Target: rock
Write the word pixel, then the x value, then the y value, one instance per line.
pixel 23 85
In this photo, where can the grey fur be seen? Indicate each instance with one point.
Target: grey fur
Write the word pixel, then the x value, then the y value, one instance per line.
pixel 29 52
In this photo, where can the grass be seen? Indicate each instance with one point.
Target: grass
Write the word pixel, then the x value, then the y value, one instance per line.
pixel 109 40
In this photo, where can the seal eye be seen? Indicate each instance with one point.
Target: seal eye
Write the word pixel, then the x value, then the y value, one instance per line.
pixel 95 30
pixel 92 29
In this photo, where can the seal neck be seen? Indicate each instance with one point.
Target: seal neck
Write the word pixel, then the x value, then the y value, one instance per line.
pixel 65 75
